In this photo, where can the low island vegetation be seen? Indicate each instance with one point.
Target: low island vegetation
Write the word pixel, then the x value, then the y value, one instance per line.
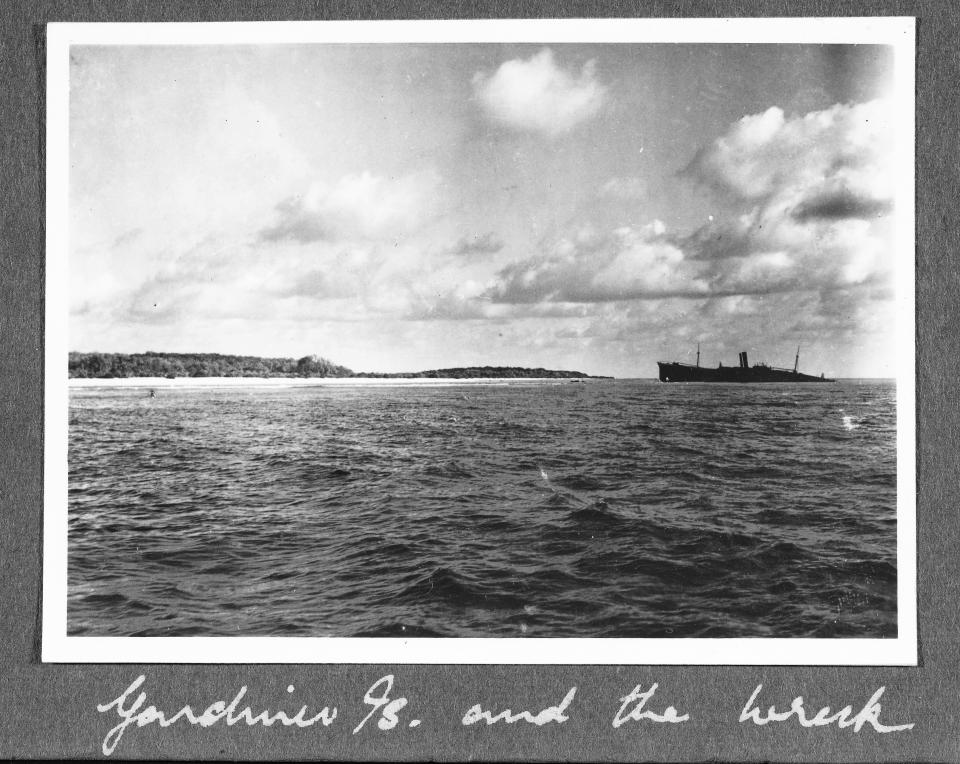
pixel 174 365
pixel 482 372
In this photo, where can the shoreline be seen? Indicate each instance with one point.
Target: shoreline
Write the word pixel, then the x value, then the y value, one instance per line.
pixel 206 382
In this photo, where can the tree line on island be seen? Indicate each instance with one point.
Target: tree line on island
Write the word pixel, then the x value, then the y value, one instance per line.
pixel 174 365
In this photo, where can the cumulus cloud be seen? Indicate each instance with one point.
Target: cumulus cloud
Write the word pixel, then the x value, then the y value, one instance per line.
pixel 749 255
pixel 538 95
pixel 770 157
pixel 356 206
pixel 814 192
pixel 627 263
pixel 804 251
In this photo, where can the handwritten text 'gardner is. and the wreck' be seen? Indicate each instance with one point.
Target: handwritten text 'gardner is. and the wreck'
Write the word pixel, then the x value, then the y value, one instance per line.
pixel 381 710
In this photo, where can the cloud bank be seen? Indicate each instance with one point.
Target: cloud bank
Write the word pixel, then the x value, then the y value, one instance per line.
pixel 806 216
pixel 625 264
pixel 808 197
pixel 537 95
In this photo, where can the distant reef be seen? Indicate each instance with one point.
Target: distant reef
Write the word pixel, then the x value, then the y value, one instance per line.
pixel 173 365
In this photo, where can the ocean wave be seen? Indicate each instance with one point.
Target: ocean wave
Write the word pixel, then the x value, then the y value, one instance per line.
pixel 626 509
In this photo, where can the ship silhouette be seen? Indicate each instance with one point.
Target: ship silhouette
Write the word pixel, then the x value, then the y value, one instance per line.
pixel 673 371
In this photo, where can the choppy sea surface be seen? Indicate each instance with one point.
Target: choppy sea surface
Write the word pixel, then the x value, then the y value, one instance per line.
pixel 622 508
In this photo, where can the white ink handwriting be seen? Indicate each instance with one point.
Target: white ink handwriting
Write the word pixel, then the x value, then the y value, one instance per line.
pixel 388 719
pixel 130 713
pixel 639 700
pixel 551 714
pixel 869 714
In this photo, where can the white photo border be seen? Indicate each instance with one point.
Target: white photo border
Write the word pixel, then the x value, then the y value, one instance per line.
pixel 58 647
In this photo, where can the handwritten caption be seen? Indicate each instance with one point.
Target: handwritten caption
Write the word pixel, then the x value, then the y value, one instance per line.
pixel 381 710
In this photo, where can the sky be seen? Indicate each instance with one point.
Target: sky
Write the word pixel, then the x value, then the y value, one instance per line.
pixel 400 207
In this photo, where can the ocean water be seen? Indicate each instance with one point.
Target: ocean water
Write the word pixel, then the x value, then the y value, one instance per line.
pixel 622 508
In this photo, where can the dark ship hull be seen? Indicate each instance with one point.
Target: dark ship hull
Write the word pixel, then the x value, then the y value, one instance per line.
pixel 685 372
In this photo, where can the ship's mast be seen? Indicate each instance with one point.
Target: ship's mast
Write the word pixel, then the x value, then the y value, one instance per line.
pixel 698 354
pixel 796 361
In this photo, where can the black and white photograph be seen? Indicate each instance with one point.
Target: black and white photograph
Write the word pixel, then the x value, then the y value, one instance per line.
pixel 507 342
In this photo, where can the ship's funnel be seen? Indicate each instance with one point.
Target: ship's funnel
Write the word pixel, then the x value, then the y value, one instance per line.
pixel 743 359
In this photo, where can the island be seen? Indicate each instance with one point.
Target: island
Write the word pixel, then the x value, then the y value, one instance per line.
pixel 483 372
pixel 174 365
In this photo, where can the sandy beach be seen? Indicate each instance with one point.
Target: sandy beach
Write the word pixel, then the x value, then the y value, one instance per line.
pixel 208 382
